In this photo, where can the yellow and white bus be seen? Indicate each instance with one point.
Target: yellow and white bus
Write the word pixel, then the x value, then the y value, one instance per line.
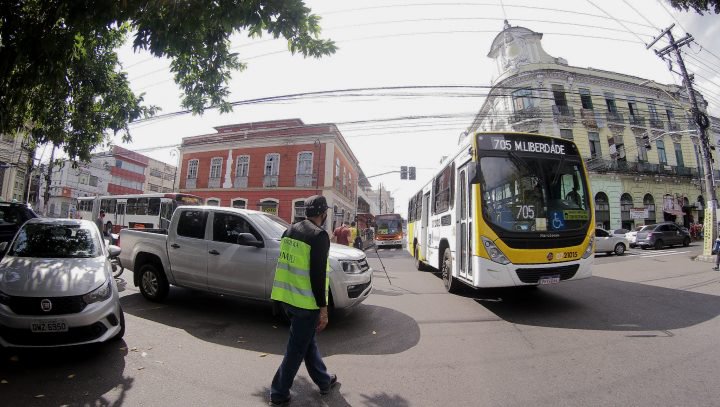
pixel 509 209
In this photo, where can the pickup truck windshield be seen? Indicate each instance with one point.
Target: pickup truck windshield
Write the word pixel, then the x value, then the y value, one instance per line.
pixel 272 225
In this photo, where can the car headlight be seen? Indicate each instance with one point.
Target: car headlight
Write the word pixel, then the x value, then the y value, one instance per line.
pixel 101 293
pixel 589 249
pixel 4 298
pixel 351 266
pixel 495 254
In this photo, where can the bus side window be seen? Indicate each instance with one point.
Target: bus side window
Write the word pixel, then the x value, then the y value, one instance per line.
pixel 130 208
pixel 153 208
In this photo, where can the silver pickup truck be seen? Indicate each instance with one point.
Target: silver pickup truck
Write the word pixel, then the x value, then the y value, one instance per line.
pixel 228 251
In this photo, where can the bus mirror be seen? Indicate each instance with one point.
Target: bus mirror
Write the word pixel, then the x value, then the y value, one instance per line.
pixel 472 174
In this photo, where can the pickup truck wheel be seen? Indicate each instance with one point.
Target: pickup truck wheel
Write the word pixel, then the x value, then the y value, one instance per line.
pixel 153 284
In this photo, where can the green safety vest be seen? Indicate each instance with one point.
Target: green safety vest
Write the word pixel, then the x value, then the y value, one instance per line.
pixel 292 275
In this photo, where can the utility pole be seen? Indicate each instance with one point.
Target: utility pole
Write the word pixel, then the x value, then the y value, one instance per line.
pixel 380 200
pixel 703 123
pixel 48 178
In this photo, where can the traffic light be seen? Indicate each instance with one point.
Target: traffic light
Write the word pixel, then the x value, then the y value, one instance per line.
pixel 404 172
pixel 411 173
pixel 646 141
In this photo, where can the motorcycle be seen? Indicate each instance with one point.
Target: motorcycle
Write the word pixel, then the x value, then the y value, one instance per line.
pixel 117 267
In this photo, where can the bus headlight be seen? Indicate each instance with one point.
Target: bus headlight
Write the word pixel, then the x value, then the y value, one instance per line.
pixel 589 250
pixel 495 254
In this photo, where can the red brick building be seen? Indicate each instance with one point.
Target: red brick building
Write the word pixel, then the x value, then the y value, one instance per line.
pixel 127 176
pixel 272 166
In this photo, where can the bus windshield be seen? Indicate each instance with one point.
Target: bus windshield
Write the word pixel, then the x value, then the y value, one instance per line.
pixel 533 192
pixel 388 225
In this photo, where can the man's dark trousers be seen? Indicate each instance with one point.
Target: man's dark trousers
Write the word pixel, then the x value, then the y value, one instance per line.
pixel 301 346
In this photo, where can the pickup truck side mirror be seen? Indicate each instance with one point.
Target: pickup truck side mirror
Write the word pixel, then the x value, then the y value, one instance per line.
pixel 113 251
pixel 247 239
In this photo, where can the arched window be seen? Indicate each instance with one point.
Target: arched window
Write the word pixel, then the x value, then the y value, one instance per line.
pixel 193 168
pixel 269 205
pixel 272 170
pixel 239 203
pixel 212 201
pixel 215 172
pixel 626 204
pixel 298 210
pixel 602 210
pixel 242 171
pixel 649 203
pixel 303 176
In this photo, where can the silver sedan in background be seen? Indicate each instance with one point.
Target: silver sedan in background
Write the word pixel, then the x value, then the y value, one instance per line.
pixel 56 286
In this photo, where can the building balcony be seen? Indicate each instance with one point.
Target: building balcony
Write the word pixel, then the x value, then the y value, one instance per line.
pixel 566 111
pixel 588 118
pixel 270 181
pixel 240 182
pixel 615 117
pixel 214 182
pixel 303 180
pixel 525 114
pixel 674 126
pixel 656 123
pixel 637 121
pixel 191 183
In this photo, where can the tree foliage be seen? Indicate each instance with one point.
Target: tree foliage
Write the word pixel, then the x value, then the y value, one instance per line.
pixel 61 80
pixel 699 6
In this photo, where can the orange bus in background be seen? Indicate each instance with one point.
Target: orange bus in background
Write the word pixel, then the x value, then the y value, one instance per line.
pixel 389 230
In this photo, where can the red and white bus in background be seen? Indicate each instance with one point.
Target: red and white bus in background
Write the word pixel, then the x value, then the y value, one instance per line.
pixel 389 230
pixel 149 211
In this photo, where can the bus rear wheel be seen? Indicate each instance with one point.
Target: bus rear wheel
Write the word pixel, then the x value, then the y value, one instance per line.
pixel 451 284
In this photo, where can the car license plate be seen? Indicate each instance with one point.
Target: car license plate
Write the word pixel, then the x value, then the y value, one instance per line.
pixel 55 325
pixel 549 279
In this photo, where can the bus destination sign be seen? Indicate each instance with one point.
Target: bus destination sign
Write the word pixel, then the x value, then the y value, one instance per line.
pixel 542 145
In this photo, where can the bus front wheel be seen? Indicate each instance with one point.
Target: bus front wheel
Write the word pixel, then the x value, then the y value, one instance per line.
pixel 451 284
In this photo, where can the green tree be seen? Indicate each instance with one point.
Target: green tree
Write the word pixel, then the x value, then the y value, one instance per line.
pixel 61 80
pixel 699 6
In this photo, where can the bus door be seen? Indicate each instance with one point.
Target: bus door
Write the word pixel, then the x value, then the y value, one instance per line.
pixel 464 223
pixel 424 226
pixel 120 215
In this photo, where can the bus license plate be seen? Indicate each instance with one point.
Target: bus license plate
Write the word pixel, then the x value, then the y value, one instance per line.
pixel 55 325
pixel 549 280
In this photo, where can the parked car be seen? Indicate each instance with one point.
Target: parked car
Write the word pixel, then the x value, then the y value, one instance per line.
pixel 662 234
pixel 607 243
pixel 12 216
pixel 631 236
pixel 619 232
pixel 56 286
pixel 229 251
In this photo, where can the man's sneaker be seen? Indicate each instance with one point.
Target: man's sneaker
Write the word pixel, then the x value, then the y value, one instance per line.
pixel 716 268
pixel 280 402
pixel 333 383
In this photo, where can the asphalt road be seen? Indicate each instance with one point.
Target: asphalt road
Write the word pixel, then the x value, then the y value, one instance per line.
pixel 641 332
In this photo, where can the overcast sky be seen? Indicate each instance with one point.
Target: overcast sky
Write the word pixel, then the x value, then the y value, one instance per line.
pixel 406 43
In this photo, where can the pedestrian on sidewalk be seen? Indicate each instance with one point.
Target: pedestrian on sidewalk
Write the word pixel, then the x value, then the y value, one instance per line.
pixel 303 263
pixel 716 250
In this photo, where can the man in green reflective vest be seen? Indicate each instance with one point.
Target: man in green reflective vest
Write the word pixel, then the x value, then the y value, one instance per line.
pixel 301 285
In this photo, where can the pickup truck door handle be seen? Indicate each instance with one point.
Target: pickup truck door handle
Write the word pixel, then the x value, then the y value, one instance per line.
pixel 175 246
pixel 213 251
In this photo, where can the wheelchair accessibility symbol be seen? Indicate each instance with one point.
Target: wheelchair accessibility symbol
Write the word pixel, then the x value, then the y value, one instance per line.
pixel 556 220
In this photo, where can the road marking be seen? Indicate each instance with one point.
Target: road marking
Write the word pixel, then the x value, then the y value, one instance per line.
pixel 392 250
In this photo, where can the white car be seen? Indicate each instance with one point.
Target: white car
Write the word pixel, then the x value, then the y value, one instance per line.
pixel 619 232
pixel 631 236
pixel 56 286
pixel 607 243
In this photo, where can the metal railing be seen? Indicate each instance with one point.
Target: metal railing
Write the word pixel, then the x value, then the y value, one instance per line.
pixel 559 110
pixel 270 181
pixel 525 114
pixel 214 182
pixel 636 120
pixel 674 126
pixel 303 180
pixel 656 123
pixel 614 117
pixel 240 182
pixel 191 183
